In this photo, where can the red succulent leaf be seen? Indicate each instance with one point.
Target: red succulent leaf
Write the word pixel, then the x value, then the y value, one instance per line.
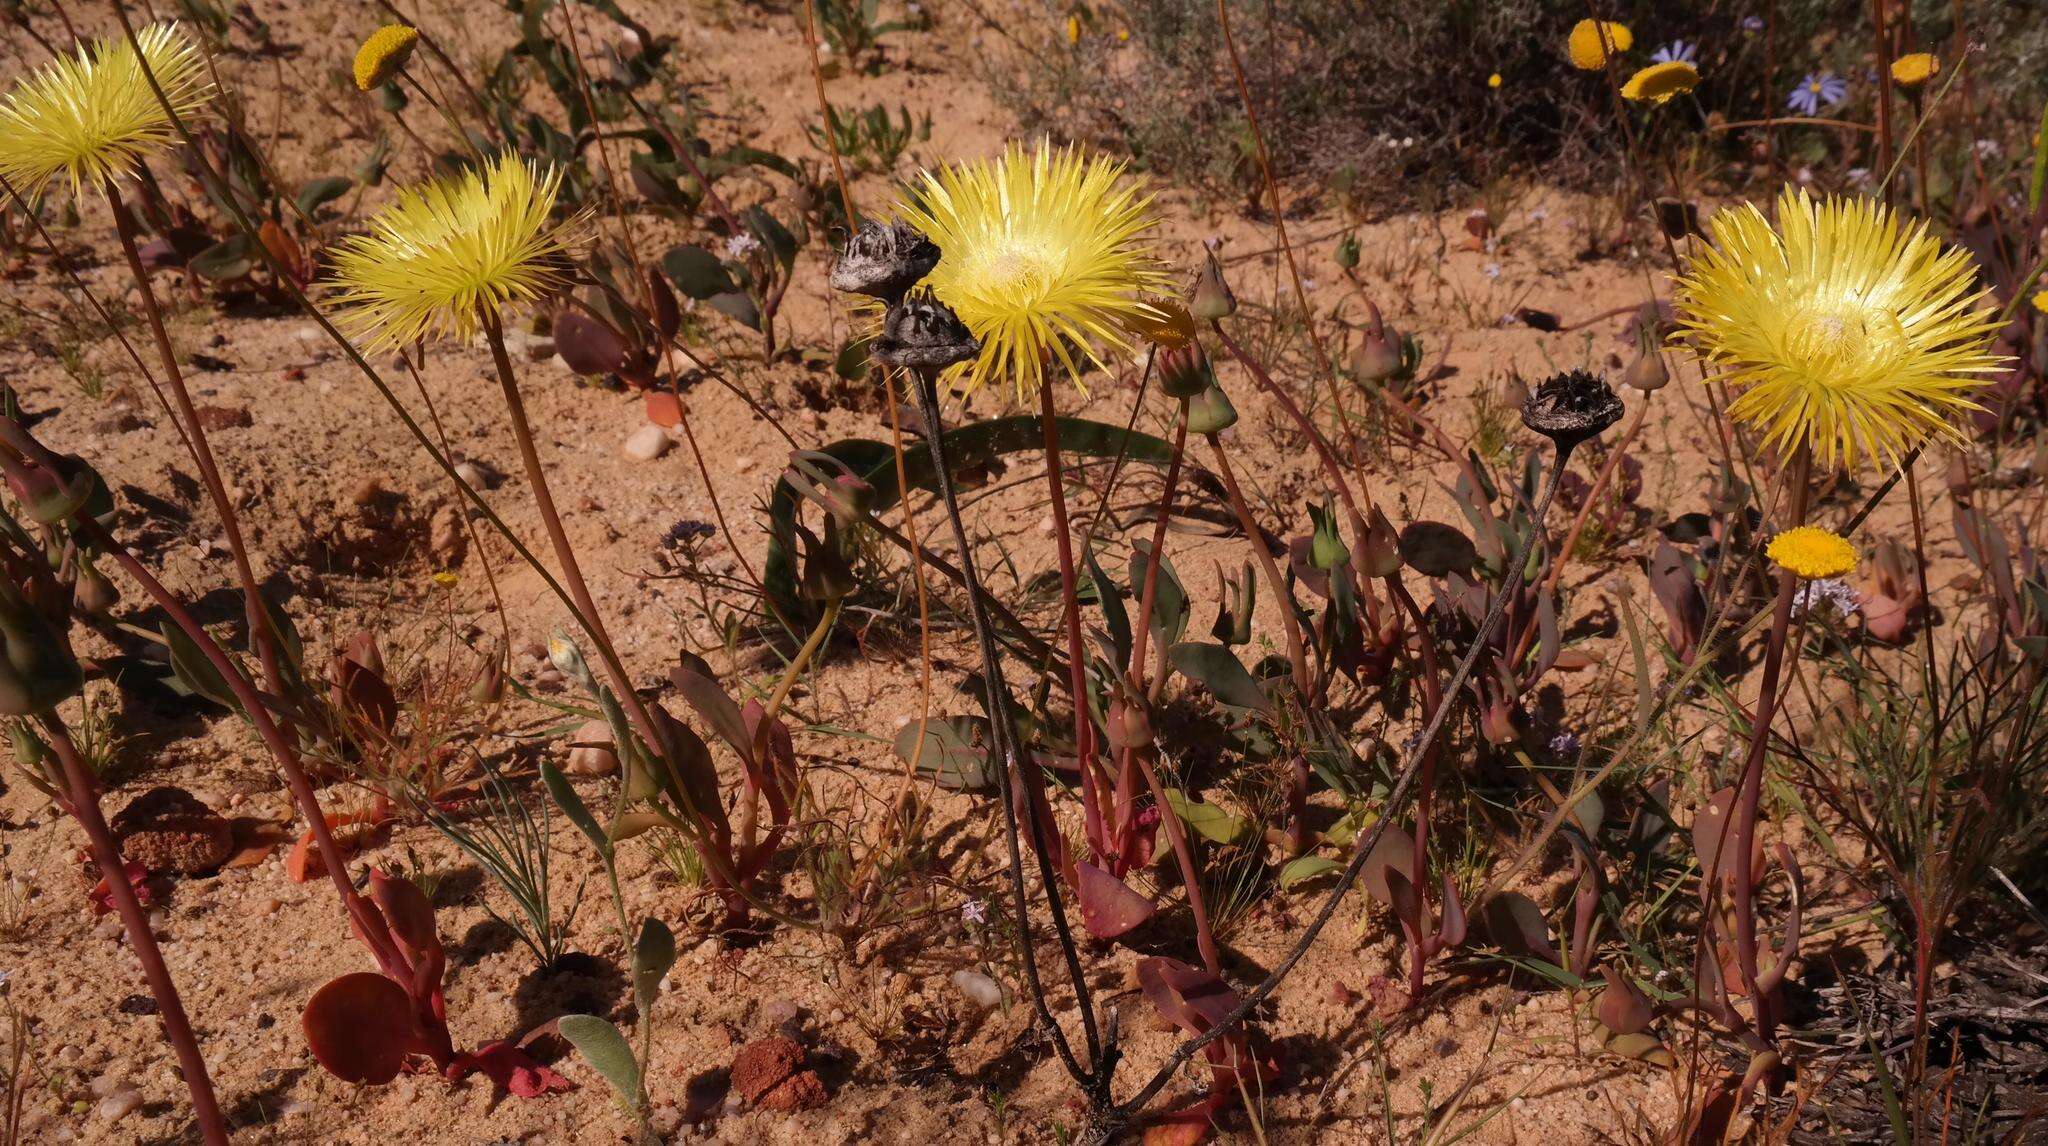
pixel 1109 906
pixel 102 893
pixel 361 1028
pixel 510 1070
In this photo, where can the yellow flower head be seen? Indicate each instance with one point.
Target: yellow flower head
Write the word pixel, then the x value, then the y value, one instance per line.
pixel 1493 81
pixel 1041 255
pixel 1811 553
pixel 2040 301
pixel 93 117
pixel 1913 70
pixel 1594 41
pixel 452 250
pixel 1846 332
pixel 1659 82
pixel 384 55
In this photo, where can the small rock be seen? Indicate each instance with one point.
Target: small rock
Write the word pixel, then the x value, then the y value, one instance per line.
pixel 168 829
pixel 214 418
pixel 118 1105
pixel 978 989
pixel 708 950
pixel 781 1014
pixel 447 537
pixel 742 464
pixel 763 1065
pixel 647 443
pixel 803 1090
pixel 477 474
pixel 586 758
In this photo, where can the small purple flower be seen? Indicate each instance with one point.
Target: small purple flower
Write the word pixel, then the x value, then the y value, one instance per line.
pixel 1677 51
pixel 686 534
pixel 1752 24
pixel 1817 90
pixel 1565 745
pixel 974 912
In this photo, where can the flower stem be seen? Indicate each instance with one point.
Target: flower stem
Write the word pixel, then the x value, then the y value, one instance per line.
pixel 1070 617
pixel 202 451
pixel 1742 834
pixel 84 806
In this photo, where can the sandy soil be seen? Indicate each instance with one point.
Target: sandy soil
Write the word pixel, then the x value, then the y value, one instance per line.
pixel 248 946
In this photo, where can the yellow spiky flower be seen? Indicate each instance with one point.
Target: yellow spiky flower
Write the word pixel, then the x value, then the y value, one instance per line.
pixel 1845 331
pixel 384 55
pixel 1592 42
pixel 1041 254
pixel 93 117
pixel 453 250
pixel 1811 553
pixel 1912 70
pixel 1658 83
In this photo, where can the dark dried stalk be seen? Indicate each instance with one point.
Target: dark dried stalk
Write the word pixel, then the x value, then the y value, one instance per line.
pixel 1016 788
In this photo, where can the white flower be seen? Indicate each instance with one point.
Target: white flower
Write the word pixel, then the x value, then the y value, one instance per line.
pixel 1491 270
pixel 1829 591
pixel 738 247
pixel 974 912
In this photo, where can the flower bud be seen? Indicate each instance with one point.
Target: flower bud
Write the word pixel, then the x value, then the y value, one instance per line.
pixel 1213 298
pixel 1240 596
pixel 1347 251
pixel 1382 557
pixel 1129 725
pixel 92 593
pixel 568 660
pixel 1647 372
pixel 1326 547
pixel 1210 412
pixel 1184 370
pixel 37 669
pixel 1377 358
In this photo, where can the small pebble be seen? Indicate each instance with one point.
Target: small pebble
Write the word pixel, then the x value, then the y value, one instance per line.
pixel 647 443
pixel 119 1104
pixel 978 989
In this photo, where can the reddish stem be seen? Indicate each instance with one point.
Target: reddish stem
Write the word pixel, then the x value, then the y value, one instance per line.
pixel 84 806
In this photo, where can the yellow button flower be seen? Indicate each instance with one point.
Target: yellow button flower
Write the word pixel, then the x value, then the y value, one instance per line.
pixel 1810 553
pixel 1593 42
pixel 384 55
pixel 1659 82
pixel 1911 71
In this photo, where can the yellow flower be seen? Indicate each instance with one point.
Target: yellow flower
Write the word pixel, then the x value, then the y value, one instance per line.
pixel 445 579
pixel 1659 82
pixel 1073 29
pixel 1847 332
pixel 2040 301
pixel 1811 553
pixel 1911 71
pixel 1041 254
pixel 384 55
pixel 1593 42
pixel 93 117
pixel 1493 81
pixel 452 250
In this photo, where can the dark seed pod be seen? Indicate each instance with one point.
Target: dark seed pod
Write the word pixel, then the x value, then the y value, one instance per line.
pixel 922 333
pixel 884 260
pixel 1571 407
